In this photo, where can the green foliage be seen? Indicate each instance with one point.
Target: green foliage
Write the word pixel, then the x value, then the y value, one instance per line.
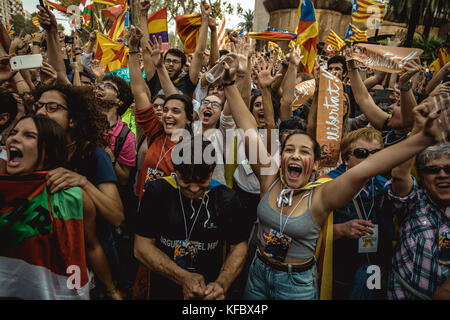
pixel 430 47
pixel 22 24
pixel 248 17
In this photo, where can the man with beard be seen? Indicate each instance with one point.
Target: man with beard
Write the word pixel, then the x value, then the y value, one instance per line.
pixel 175 59
pixel 114 96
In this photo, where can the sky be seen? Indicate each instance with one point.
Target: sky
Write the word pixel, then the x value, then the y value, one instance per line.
pixel 231 20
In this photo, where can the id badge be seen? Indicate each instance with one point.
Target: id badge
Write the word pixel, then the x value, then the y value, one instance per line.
pixel 247 167
pixel 151 175
pixel 185 255
pixel 277 245
pixel 368 243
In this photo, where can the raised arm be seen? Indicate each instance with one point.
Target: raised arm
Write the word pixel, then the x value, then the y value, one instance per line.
pixel 289 83
pixel 437 78
pixel 407 100
pixel 137 83
pixel 374 80
pixel 197 57
pixel 214 52
pixel 374 114
pixel 156 55
pixel 149 67
pixel 48 22
pixel 336 193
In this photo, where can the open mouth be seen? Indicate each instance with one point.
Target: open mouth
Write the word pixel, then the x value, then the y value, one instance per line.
pixel 443 185
pixel 206 115
pixel 170 124
pixel 294 171
pixel 15 157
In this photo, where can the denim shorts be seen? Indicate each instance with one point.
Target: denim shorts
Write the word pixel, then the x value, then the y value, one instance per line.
pixel 265 283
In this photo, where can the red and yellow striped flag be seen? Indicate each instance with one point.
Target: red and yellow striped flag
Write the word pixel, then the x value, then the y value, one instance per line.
pixel 442 59
pixel 307 34
pixel 367 9
pixel 354 34
pixel 188 28
pixel 334 43
pixel 35 21
pixel 56 6
pixel 221 34
pixel 118 28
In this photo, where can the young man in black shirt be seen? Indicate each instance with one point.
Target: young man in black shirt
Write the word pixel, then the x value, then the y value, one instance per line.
pixel 191 214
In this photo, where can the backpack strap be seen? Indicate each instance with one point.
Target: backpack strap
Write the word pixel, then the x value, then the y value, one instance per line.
pixel 120 141
pixel 153 138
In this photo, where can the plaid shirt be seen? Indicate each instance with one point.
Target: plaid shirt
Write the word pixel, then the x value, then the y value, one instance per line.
pixel 416 259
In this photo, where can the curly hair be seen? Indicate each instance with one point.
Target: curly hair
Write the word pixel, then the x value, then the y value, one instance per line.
pixel 91 126
pixel 125 95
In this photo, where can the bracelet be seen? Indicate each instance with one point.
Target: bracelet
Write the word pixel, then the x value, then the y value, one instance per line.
pixel 406 88
pixel 227 84
pixel 131 52
pixel 36 43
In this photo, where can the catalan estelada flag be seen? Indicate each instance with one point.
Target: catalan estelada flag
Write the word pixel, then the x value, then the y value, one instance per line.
pixel 221 34
pixel 157 26
pixel 442 59
pixel 354 34
pixel 42 240
pixel 118 28
pixel 362 10
pixel 188 28
pixel 272 35
pixel 307 34
pixel 334 43
pixel 112 55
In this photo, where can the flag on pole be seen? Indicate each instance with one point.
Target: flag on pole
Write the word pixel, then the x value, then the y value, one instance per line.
pixel 157 26
pixel 272 35
pixel 35 21
pixel 442 59
pixel 221 34
pixel 112 55
pixel 118 28
pixel 56 6
pixel 11 29
pixel 86 11
pixel 307 34
pixel 354 34
pixel 334 43
pixel 363 10
pixel 188 28
pixel 112 13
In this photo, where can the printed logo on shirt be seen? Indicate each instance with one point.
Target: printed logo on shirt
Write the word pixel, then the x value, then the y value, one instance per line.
pixel 277 244
pixel 186 255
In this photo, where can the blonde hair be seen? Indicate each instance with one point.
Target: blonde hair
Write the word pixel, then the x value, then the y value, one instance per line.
pixel 367 134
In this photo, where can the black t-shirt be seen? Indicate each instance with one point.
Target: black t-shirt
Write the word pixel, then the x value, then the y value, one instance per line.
pixel 354 107
pixel 183 84
pixel 221 218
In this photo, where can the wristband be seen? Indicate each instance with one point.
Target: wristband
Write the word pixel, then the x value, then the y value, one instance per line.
pixel 227 84
pixel 406 88
pixel 36 43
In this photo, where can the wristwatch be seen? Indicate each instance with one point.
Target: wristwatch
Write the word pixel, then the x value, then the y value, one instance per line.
pixel 406 88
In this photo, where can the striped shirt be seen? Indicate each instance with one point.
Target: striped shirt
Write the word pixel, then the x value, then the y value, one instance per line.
pixel 418 255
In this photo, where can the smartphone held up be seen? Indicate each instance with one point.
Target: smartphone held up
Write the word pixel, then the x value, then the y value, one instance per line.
pixel 32 61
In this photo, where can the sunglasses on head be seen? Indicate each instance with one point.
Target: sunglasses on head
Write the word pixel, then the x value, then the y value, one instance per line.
pixel 362 153
pixel 436 169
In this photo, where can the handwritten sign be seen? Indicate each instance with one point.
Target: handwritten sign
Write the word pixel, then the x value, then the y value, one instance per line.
pixel 303 91
pixel 330 114
pixel 384 58
pixel 123 73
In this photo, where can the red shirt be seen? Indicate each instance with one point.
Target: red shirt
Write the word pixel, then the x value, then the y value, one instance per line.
pixel 159 152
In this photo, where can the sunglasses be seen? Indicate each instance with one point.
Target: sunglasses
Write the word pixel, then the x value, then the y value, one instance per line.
pixel 363 153
pixel 436 169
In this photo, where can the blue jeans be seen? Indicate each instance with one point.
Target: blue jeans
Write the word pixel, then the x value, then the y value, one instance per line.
pixel 264 283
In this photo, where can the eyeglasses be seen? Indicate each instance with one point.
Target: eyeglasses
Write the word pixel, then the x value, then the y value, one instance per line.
pixel 158 105
pixel 436 169
pixel 362 153
pixel 215 104
pixel 169 61
pixel 108 85
pixel 50 107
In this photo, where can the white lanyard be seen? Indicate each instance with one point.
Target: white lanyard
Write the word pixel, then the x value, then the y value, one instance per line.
pixel 367 216
pixel 162 157
pixel 281 213
pixel 188 236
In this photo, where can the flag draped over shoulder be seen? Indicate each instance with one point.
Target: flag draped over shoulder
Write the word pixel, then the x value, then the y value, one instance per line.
pixel 56 6
pixel 188 28
pixel 42 238
pixel 442 59
pixel 157 26
pixel 334 41
pixel 118 28
pixel 86 11
pixel 363 10
pixel 307 34
pixel 354 34
pixel 112 55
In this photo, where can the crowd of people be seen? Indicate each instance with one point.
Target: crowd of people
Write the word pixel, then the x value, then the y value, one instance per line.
pixel 170 186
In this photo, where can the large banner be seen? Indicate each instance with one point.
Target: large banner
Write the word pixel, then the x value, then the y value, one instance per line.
pixel 330 114
pixel 303 91
pixel 384 58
